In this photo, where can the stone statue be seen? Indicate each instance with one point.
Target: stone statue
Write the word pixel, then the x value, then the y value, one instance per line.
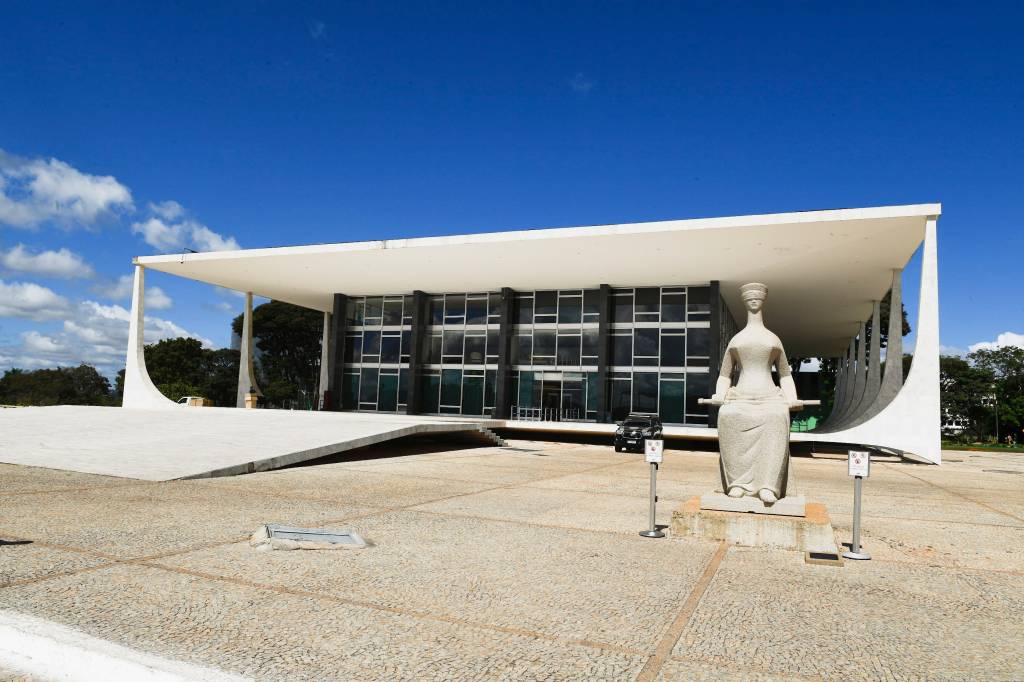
pixel 753 422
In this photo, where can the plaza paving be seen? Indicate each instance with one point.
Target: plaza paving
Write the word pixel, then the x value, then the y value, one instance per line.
pixel 524 563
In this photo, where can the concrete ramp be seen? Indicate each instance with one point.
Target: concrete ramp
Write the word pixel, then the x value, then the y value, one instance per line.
pixel 161 445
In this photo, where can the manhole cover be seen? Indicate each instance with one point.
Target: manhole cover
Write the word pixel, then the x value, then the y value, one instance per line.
pixel 1002 471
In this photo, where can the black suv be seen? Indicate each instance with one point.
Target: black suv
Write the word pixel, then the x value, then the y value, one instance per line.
pixel 635 430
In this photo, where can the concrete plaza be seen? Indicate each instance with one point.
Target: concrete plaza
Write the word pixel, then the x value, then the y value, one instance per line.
pixel 523 563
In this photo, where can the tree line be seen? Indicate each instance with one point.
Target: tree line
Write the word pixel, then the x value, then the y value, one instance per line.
pixel 287 341
pixel 983 395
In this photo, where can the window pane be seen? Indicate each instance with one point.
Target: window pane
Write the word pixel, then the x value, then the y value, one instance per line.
pixel 591 305
pixel 645 342
pixel 454 306
pixel 406 345
pixel 569 349
pixel 647 300
pixel 673 308
pixel 673 350
pixel 390 347
pixel 570 309
pixel 374 309
pixel 368 386
pixel 494 307
pixel 591 391
pixel 619 393
pixel 403 386
pixel 451 386
pixel 529 390
pixel 431 388
pixel 435 350
pixel 387 401
pixel 697 386
pixel 476 311
pixel 350 391
pixel 645 392
pixel 393 312
pixel 522 348
pixel 700 341
pixel 623 308
pixel 490 387
pixel 590 344
pixel 543 343
pixel 353 347
pixel 492 345
pixel 524 310
pixel 472 395
pixel 408 304
pixel 474 354
pixel 699 304
pixel 354 312
pixel 546 303
pixel 371 343
pixel 671 404
pixel 453 343
pixel 437 310
pixel 573 396
pixel 622 350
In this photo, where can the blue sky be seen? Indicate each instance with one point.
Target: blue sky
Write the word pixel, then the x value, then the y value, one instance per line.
pixel 129 130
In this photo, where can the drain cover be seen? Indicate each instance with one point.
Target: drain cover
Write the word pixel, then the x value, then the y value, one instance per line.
pixel 333 537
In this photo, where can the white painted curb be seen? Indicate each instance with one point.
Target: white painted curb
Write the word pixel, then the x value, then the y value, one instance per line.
pixel 50 651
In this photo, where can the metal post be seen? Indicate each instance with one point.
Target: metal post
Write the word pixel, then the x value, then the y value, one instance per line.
pixel 855 552
pixel 653 532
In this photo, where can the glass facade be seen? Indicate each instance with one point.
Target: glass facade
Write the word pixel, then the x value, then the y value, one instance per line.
pixel 659 346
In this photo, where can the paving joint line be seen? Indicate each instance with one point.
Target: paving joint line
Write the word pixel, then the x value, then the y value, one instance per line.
pixel 965 497
pixel 668 640
pixel 422 615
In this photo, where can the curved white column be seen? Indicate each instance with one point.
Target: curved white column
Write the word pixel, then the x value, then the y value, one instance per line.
pixel 246 370
pixel 874 377
pixel 911 421
pixel 139 391
pixel 325 360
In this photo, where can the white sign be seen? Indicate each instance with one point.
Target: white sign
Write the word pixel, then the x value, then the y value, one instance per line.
pixel 653 450
pixel 860 463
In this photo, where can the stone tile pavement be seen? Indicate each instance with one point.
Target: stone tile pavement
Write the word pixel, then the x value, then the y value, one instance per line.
pixel 524 563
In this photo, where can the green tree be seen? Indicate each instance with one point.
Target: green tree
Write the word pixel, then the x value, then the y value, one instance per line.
pixel 288 338
pixel 181 367
pixel 81 385
pixel 1006 366
pixel 964 388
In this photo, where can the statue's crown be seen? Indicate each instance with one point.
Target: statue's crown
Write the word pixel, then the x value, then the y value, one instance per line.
pixel 753 290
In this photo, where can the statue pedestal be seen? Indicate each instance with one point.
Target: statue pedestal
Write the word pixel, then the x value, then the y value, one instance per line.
pixel 811 532
pixel 787 506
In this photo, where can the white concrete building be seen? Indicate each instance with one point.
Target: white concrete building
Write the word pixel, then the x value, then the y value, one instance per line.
pixel 579 326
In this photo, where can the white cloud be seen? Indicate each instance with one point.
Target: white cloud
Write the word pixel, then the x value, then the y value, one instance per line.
pixel 63 263
pixel 168 210
pixel 121 289
pixel 163 233
pixel 93 333
pixel 35 191
pixel 952 351
pixel 31 301
pixel 1002 341
pixel 156 299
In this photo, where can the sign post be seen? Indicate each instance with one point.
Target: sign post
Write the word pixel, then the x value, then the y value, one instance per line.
pixel 653 450
pixel 858 466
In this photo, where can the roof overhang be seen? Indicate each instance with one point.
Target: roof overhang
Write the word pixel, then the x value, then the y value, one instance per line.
pixel 823 269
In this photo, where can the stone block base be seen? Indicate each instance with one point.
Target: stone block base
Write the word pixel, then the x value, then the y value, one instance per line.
pixel 787 506
pixel 810 533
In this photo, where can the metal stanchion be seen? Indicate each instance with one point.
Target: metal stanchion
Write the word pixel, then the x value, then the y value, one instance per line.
pixel 653 452
pixel 859 467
